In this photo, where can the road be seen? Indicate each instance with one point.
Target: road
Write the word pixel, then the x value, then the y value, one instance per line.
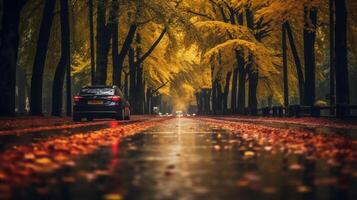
pixel 193 158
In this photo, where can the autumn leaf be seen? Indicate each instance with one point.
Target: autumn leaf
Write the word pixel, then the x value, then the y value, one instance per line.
pixel 295 167
pixel 303 189
pixel 43 161
pixel 249 154
pixel 114 196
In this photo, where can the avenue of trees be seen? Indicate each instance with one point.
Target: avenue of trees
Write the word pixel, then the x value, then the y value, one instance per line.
pixel 282 50
pixel 234 54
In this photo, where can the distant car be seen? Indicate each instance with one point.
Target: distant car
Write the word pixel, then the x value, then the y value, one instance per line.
pixel 179 113
pixel 100 102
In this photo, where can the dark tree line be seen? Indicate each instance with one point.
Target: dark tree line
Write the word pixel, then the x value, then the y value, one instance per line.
pixel 9 41
pixel 338 58
pixel 9 49
pixel 108 38
pixel 244 73
pixel 103 38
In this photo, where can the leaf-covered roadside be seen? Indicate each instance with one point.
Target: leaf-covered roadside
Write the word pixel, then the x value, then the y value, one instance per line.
pixel 306 121
pixel 32 122
pixel 21 125
pixel 335 149
pixel 22 164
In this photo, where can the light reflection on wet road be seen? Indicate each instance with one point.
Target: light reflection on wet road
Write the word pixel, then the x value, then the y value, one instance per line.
pixel 186 159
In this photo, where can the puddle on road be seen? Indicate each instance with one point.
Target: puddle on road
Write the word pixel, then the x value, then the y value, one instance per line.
pixel 185 159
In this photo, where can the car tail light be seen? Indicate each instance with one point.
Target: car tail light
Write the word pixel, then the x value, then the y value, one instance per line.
pixel 114 98
pixel 77 98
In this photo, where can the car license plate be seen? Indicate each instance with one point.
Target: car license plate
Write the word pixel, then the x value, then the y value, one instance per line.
pixel 95 102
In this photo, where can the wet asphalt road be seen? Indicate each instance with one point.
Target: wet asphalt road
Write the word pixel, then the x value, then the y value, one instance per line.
pixel 179 160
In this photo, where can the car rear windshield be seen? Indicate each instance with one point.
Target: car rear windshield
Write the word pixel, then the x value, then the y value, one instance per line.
pixel 97 91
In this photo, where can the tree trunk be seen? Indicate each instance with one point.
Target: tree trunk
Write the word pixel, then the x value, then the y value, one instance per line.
pixel 40 58
pixel 252 73
pixel 310 15
pixel 21 90
pixel 126 84
pixel 214 97
pixel 219 98
pixel 117 70
pixel 234 90
pixel 226 92
pixel 69 90
pixel 298 65
pixel 207 100
pixel 8 54
pixel 132 71
pixel 148 100
pixel 253 76
pixel 142 98
pixel 342 80
pixel 91 39
pixel 214 88
pixel 103 44
pixel 115 42
pixel 285 67
pixel 332 56
pixel 253 85
pixel 137 92
pixel 242 74
pixel 63 65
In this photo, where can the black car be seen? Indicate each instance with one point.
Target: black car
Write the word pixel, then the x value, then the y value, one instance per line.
pixel 100 102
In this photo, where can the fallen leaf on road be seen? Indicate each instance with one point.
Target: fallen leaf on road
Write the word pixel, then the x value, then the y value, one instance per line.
pixel 243 183
pixel 112 197
pixel 87 176
pixel 303 189
pixel 217 147
pixel 295 167
pixel 60 158
pixel 29 156
pixel 2 176
pixel 43 161
pixel 269 190
pixel 251 176
pixel 101 172
pixel 268 148
pixel 249 154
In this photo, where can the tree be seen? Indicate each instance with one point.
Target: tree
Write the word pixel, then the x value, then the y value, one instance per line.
pixel 285 66
pixel 342 84
pixel 9 42
pixel 40 58
pixel 91 40
pixel 332 55
pixel 137 88
pixel 103 42
pixel 118 59
pixel 310 20
pixel 63 65
pixel 298 66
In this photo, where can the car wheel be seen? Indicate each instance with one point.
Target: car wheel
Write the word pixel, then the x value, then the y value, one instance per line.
pixel 90 119
pixel 76 119
pixel 120 115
